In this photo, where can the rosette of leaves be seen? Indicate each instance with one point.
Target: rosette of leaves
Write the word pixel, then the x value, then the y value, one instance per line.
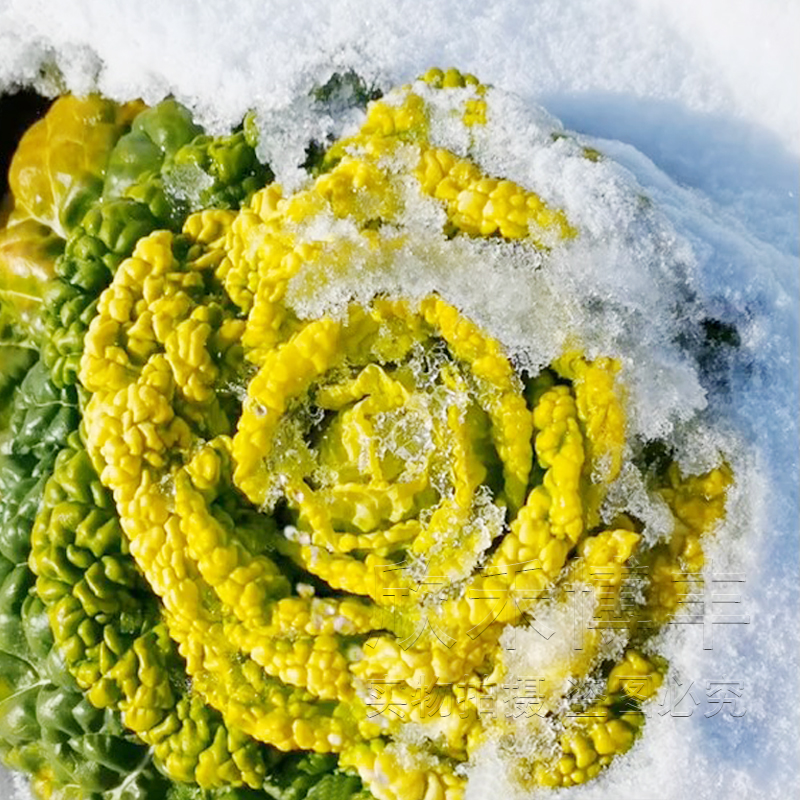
pixel 273 506
pixel 288 481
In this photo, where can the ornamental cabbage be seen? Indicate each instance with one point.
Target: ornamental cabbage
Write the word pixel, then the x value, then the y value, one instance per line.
pixel 267 532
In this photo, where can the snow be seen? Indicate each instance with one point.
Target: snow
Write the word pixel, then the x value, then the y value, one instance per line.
pixel 695 105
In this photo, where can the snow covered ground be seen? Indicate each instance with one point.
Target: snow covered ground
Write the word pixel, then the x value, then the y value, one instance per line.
pixel 698 100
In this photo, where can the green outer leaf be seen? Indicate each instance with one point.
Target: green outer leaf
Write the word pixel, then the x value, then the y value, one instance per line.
pixel 156 133
pixel 46 726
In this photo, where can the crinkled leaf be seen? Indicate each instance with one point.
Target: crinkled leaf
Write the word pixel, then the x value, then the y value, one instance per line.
pixel 155 134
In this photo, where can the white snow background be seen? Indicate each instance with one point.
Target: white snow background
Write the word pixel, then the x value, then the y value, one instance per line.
pixel 698 99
